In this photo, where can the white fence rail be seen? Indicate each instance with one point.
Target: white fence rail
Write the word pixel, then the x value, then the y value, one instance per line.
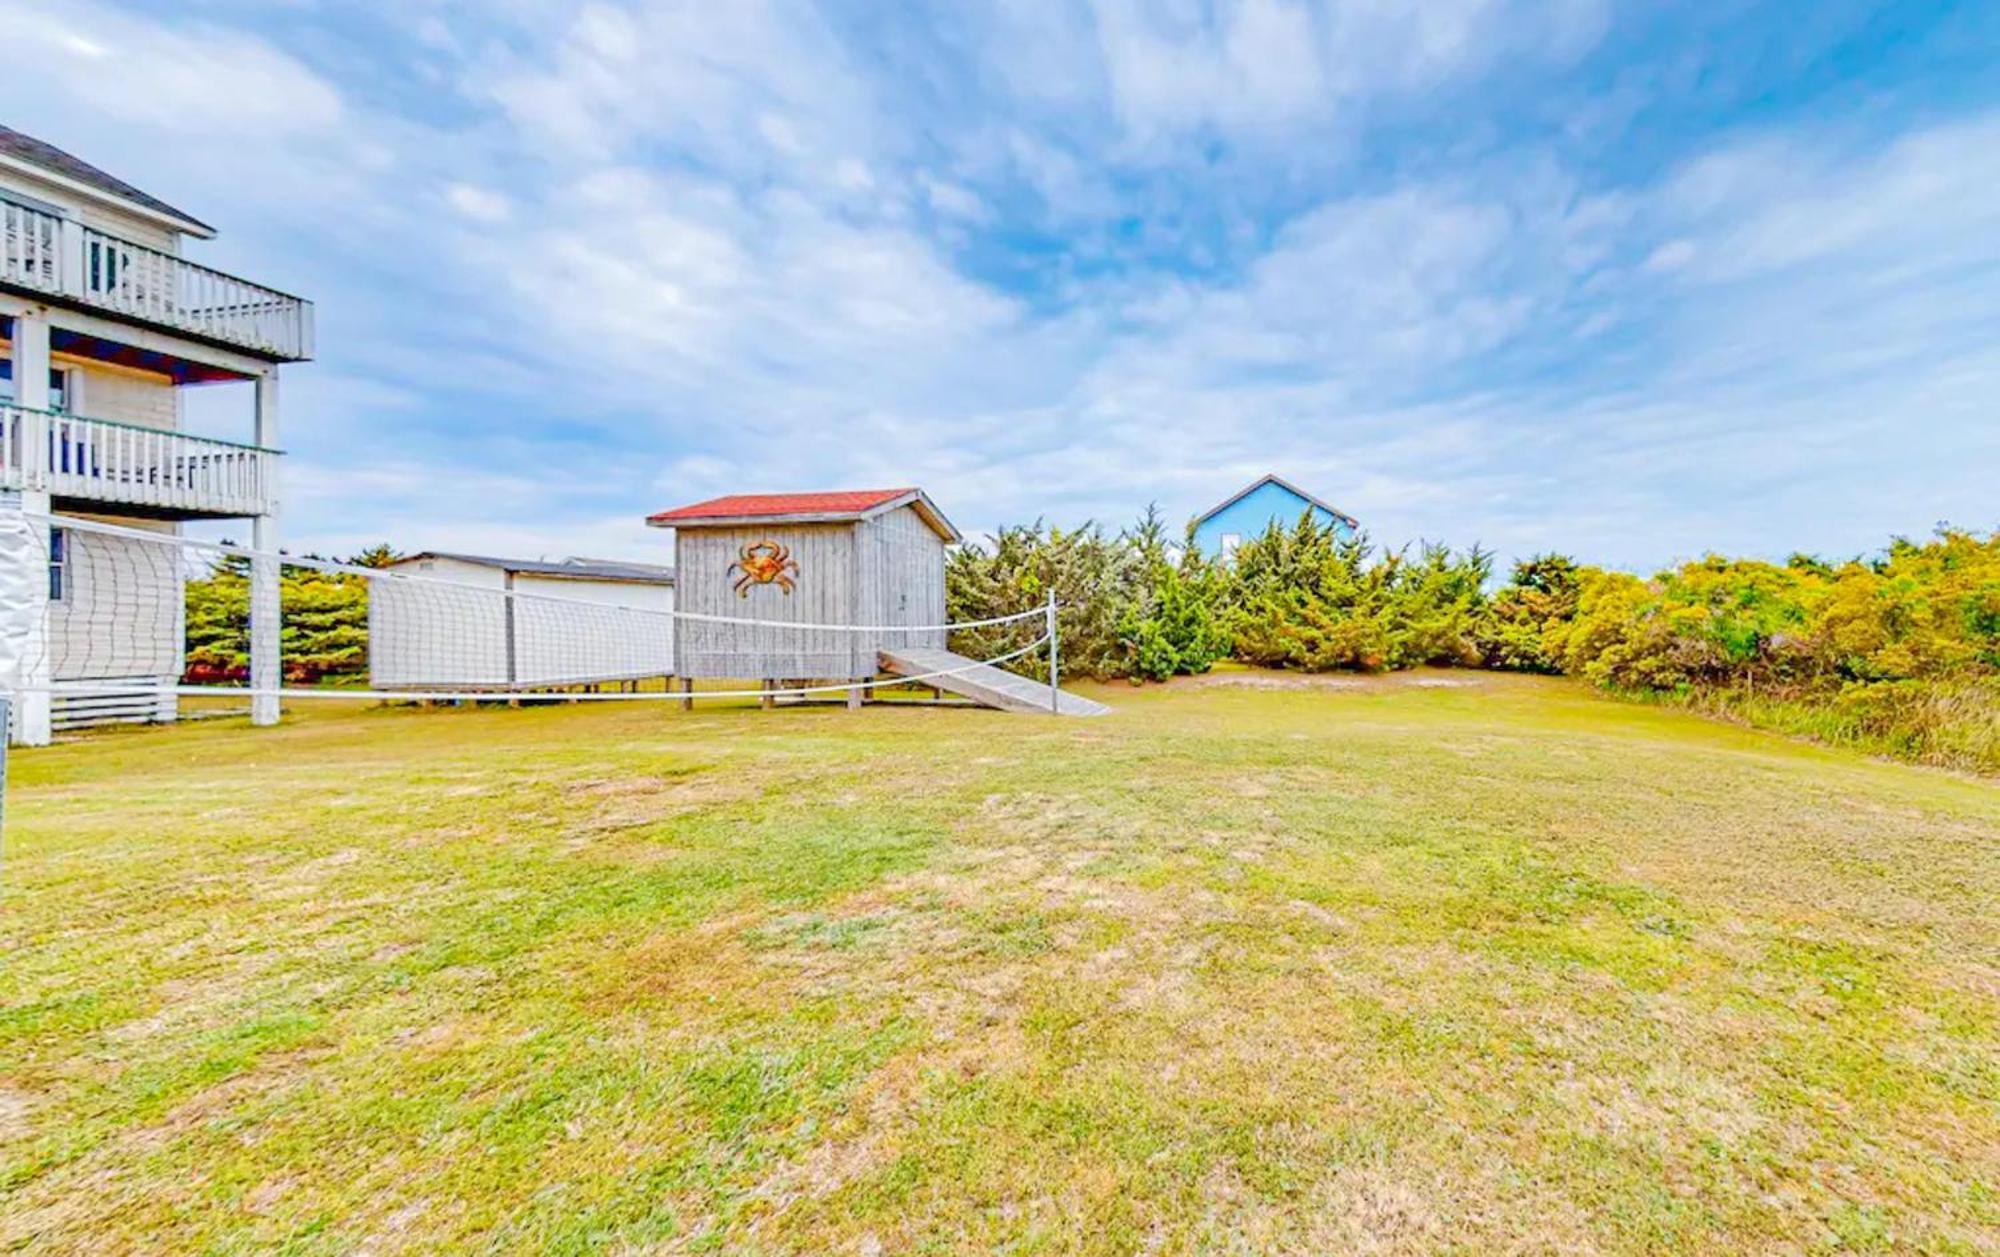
pixel 49 253
pixel 31 244
pixel 102 461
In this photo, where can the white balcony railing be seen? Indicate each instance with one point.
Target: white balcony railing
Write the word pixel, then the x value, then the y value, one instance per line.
pixel 69 456
pixel 49 253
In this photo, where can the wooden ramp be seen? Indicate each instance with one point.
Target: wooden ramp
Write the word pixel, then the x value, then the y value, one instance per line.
pixel 983 683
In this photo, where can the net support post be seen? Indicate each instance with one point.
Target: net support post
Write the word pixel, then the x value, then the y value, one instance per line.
pixel 1055 660
pixel 266 669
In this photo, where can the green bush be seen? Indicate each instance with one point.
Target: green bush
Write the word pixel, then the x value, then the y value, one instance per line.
pixel 1923 611
pixel 1094 578
pixel 1513 635
pixel 1309 597
pixel 1174 624
pixel 1899 655
pixel 1129 605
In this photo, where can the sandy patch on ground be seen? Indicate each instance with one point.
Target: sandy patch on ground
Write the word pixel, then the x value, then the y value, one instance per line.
pixel 1277 681
pixel 1261 679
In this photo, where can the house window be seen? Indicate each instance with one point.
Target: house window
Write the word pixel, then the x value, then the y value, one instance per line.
pixel 108 264
pixel 58 564
pixel 1231 540
pixel 58 385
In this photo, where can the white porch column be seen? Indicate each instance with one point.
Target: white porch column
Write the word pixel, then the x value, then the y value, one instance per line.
pixel 266 668
pixel 31 391
pixel 31 359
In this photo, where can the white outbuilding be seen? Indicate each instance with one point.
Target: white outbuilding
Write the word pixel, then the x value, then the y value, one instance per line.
pixel 472 622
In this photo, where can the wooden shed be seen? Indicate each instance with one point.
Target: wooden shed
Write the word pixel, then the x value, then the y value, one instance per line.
pixel 571 623
pixel 871 557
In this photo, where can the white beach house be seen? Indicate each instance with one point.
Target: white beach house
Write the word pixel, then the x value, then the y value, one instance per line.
pixel 104 326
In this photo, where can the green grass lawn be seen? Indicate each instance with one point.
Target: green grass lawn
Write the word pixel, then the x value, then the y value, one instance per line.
pixel 1406 965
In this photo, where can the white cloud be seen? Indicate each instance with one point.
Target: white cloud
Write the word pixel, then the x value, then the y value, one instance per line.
pixel 746 306
pixel 1674 255
pixel 1255 66
pixel 207 80
pixel 1774 204
pixel 952 200
pixel 749 87
pixel 1252 68
pixel 482 205
pixel 1384 44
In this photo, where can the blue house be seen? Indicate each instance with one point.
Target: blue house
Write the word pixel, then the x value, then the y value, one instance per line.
pixel 1255 507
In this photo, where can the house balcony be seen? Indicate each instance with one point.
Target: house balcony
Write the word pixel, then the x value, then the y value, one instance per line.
pixel 49 255
pixel 145 471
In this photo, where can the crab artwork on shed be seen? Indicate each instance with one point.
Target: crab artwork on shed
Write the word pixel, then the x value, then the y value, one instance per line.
pixel 764 563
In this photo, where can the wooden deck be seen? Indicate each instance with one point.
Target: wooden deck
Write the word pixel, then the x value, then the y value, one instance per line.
pixel 984 684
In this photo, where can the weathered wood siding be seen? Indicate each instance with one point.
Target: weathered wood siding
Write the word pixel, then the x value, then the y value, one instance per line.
pixel 902 581
pixel 120 615
pixel 825 592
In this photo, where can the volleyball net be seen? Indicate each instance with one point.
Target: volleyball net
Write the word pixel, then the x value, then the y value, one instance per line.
pixel 106 618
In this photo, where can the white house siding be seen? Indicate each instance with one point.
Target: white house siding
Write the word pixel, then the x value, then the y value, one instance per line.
pixel 121 612
pixel 121 395
pixel 422 634
pixel 92 213
pixel 626 631
pixel 101 391
pixel 824 592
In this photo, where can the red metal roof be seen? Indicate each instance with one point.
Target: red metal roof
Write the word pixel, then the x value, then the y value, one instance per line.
pixel 764 505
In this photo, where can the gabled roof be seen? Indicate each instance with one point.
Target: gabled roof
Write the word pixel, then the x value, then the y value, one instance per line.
pixel 571 569
pixel 1284 484
pixel 838 507
pixel 47 159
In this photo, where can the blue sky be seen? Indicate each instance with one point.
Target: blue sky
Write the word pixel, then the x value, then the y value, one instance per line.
pixel 1632 280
